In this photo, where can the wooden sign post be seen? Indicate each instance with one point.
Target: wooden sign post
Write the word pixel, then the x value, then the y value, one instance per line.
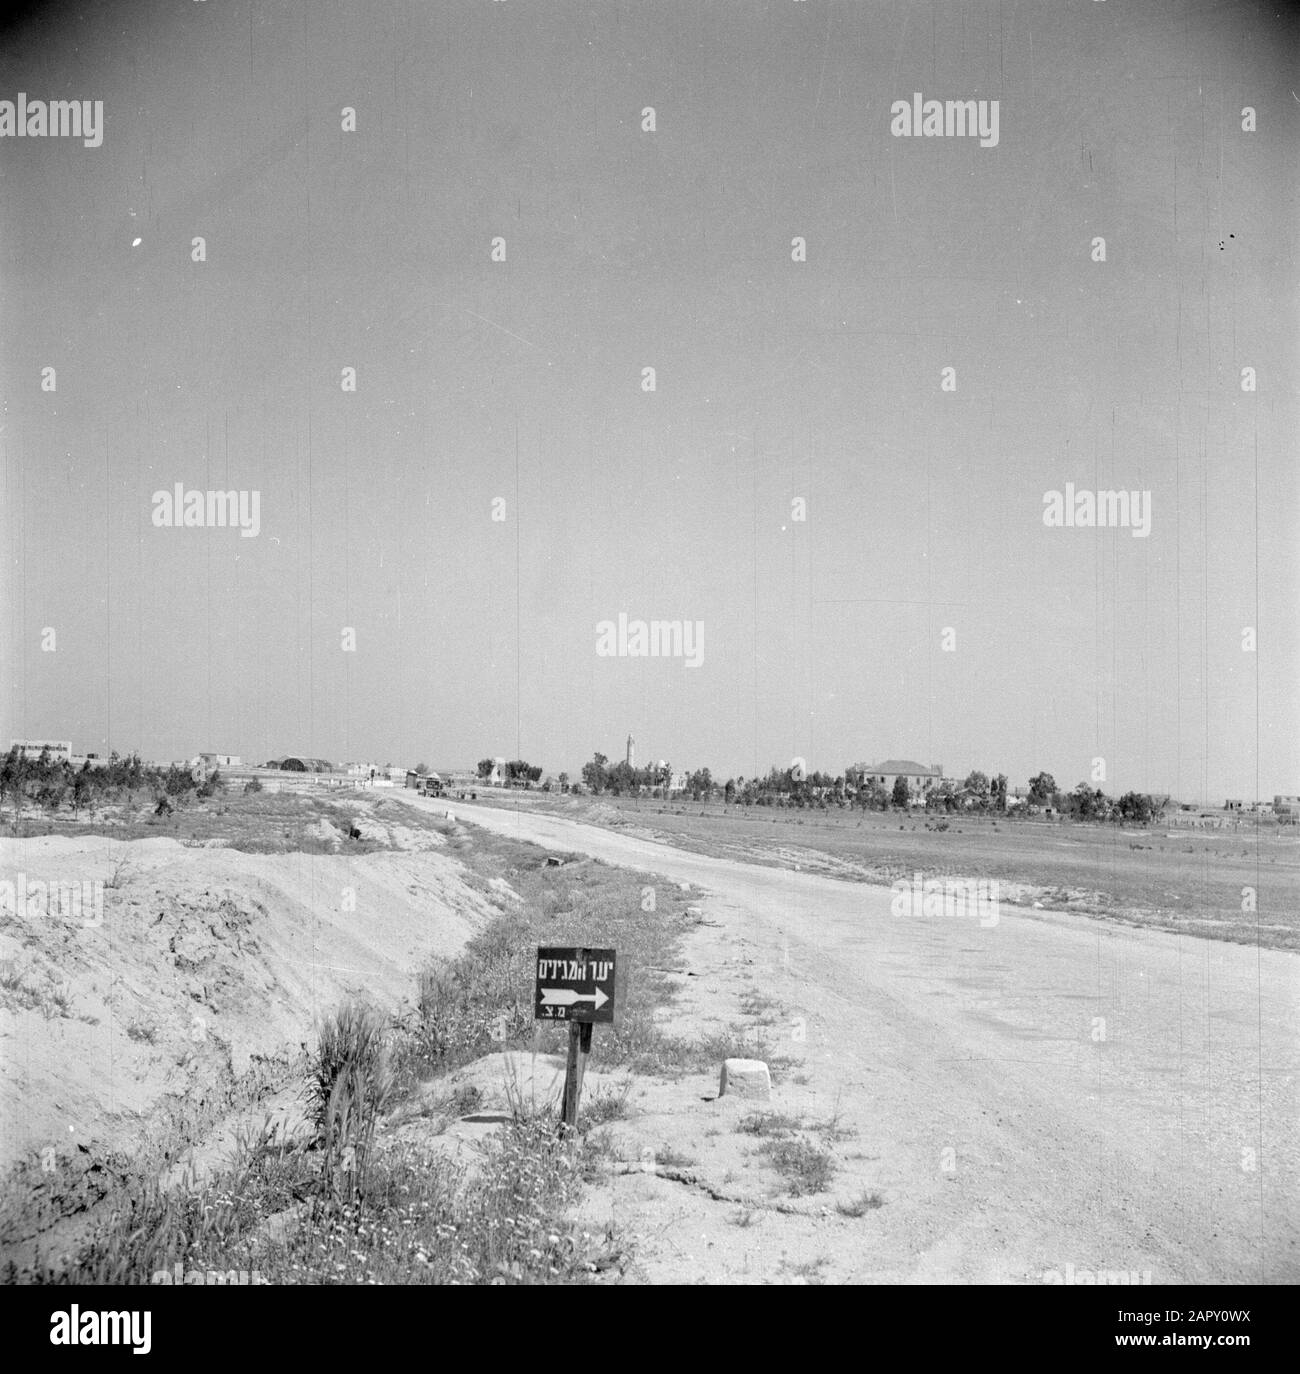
pixel 577 986
pixel 579 1049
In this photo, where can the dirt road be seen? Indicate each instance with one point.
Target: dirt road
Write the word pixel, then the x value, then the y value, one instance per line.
pixel 1036 1093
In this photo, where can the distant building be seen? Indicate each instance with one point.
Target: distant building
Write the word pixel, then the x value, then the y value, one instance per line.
pixel 293 763
pixel 631 752
pixel 919 778
pixel 60 750
pixel 220 760
pixel 1232 804
pixel 458 779
pixel 1286 806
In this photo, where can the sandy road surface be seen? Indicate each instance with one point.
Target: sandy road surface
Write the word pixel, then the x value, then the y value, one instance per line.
pixel 1014 1136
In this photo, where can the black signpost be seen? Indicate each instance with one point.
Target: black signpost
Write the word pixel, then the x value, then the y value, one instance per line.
pixel 574 985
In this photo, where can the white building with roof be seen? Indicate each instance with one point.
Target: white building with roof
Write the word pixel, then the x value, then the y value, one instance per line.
pixel 920 779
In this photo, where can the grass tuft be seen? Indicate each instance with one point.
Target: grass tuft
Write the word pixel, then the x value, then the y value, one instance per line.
pixel 805 1167
pixel 859 1206
pixel 351 1084
pixel 769 1124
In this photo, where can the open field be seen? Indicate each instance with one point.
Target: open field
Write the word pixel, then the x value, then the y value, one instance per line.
pixel 1156 877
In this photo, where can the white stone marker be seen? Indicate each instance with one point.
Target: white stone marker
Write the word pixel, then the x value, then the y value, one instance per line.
pixel 745 1078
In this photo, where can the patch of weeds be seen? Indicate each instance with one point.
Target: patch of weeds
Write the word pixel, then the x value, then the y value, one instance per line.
pixel 465 1100
pixel 142 1031
pixel 832 1130
pixel 408 1218
pixel 769 1124
pixel 414 1219
pixel 865 1202
pixel 805 1167
pixel 440 1109
pixel 606 1104
pixel 744 1217
pixel 809 1272
pixel 32 989
pixel 525 1107
pixel 598 1156
pixel 669 1157
pixel 642 1046
pixel 350 1087
pixel 764 1009
pixel 122 872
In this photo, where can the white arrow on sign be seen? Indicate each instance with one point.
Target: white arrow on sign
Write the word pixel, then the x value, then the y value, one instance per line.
pixel 566 997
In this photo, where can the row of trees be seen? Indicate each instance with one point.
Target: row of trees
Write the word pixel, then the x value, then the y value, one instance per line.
pixel 855 787
pixel 517 772
pixel 53 783
pixel 1087 803
pixel 656 778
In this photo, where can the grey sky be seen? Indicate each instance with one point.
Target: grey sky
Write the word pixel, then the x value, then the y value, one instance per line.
pixel 775 380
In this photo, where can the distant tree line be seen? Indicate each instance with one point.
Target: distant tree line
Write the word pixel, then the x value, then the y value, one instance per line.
pixel 622 779
pixel 857 788
pixel 1087 803
pixel 53 784
pixel 517 772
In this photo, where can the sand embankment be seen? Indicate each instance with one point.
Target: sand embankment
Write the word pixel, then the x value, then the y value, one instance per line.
pixel 186 965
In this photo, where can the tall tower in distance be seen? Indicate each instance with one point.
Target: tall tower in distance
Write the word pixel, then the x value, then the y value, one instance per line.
pixel 631 752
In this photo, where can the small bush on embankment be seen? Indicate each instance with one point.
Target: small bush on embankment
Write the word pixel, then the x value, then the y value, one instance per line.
pixel 351 1084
